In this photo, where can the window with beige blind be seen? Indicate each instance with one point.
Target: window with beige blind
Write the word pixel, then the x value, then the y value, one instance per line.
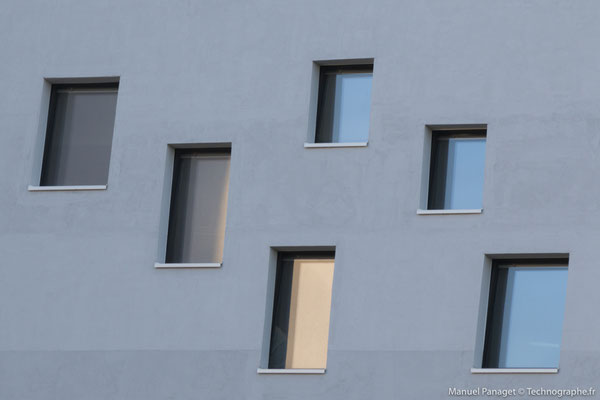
pixel 301 308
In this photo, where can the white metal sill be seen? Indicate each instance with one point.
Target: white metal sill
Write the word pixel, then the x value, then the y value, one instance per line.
pixel 333 145
pixel 187 265
pixel 449 212
pixel 32 188
pixel 514 370
pixel 305 371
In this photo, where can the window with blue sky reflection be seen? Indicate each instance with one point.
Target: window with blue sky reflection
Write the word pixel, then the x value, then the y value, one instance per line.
pixel 457 171
pixel 344 104
pixel 528 317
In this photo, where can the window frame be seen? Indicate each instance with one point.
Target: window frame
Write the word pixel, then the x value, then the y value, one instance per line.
pixel 445 134
pixel 337 69
pixel 492 315
pixel 282 256
pixel 169 239
pixel 49 134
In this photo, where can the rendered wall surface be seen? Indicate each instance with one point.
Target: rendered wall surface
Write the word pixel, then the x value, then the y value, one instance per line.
pixel 85 315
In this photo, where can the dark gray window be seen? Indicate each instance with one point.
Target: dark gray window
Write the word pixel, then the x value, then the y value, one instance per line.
pixel 457 169
pixel 525 314
pixel 301 308
pixel 79 134
pixel 198 206
pixel 344 105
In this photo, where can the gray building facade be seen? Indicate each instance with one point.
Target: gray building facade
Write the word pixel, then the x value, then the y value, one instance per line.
pixel 86 314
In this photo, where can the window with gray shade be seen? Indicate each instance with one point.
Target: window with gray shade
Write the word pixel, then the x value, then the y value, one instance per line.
pixel 198 206
pixel 344 104
pixel 525 314
pixel 79 134
pixel 457 169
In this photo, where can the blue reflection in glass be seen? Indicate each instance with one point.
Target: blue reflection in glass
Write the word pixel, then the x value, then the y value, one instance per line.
pixel 464 173
pixel 533 317
pixel 352 107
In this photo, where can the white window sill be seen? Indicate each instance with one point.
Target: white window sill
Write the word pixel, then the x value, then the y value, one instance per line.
pixel 32 188
pixel 514 370
pixel 305 371
pixel 331 145
pixel 187 265
pixel 449 212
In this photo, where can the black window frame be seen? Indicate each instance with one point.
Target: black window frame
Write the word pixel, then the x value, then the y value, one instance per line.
pixel 438 135
pixel 50 134
pixel 334 70
pixel 280 276
pixel 496 300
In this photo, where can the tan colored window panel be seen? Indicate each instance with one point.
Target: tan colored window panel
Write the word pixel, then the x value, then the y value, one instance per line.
pixel 309 313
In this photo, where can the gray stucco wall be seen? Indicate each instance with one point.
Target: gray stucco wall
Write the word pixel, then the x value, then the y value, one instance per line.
pixel 83 312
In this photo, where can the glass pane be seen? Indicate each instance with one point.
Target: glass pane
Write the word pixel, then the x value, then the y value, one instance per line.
pixel 199 208
pixel 301 314
pixel 534 306
pixel 457 176
pixel 345 108
pixel 79 142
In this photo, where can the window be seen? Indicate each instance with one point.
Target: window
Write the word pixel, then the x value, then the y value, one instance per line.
pixel 457 169
pixel 198 206
pixel 300 325
pixel 79 134
pixel 525 314
pixel 344 104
